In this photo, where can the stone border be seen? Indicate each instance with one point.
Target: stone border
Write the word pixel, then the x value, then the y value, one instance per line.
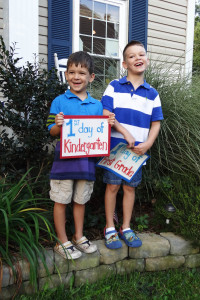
pixel 158 252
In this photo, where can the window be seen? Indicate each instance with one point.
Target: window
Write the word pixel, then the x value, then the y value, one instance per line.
pixel 125 19
pixel 102 33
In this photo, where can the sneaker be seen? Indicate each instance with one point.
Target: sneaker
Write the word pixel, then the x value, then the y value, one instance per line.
pixel 130 238
pixel 113 241
pixel 84 245
pixel 67 250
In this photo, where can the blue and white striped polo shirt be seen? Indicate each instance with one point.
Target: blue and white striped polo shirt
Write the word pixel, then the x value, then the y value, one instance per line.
pixel 134 109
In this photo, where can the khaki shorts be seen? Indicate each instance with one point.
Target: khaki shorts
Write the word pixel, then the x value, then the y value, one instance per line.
pixel 63 191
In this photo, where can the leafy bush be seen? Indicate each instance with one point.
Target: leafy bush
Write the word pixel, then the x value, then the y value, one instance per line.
pixel 23 225
pixel 185 197
pixel 142 222
pixel 28 92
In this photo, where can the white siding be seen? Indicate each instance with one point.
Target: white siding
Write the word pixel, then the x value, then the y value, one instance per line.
pixel 167 25
pixel 43 31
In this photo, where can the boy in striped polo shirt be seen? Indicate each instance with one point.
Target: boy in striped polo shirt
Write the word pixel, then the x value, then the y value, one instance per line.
pixel 138 113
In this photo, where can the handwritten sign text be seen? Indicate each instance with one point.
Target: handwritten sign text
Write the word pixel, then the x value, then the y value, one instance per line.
pixel 85 136
pixel 123 162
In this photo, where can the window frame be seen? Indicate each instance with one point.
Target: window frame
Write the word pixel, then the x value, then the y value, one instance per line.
pixel 123 26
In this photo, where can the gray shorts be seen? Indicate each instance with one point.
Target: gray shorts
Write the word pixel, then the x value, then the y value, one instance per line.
pixel 63 191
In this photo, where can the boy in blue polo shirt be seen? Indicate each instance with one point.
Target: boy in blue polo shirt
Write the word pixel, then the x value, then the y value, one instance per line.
pixel 73 177
pixel 138 112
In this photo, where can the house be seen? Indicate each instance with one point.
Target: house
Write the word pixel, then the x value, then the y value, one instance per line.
pixel 101 27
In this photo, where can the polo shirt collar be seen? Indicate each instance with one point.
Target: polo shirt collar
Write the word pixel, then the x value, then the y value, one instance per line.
pixel 124 80
pixel 89 99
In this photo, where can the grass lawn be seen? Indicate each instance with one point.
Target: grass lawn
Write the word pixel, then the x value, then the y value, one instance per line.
pixel 172 284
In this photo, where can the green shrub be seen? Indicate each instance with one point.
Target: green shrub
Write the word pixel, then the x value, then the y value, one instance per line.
pixel 177 148
pixel 184 194
pixel 24 226
pixel 28 92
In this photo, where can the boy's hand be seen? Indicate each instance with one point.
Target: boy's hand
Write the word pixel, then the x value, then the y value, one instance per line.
pixel 130 140
pixel 59 119
pixel 111 119
pixel 142 148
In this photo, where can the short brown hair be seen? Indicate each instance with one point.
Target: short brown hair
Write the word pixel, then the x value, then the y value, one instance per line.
pixel 131 43
pixel 82 58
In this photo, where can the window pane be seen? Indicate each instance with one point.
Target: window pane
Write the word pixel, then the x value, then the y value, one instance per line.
pixel 99 67
pixel 111 67
pixel 111 70
pixel 99 10
pixel 85 26
pixel 99 46
pixel 86 8
pixel 99 35
pixel 112 48
pixel 99 82
pixel 98 86
pixel 112 30
pixel 99 28
pixel 85 43
pixel 112 13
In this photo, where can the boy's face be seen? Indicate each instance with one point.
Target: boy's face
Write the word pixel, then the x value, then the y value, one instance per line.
pixel 136 60
pixel 78 79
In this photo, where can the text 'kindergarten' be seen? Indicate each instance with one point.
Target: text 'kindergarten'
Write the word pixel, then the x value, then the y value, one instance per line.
pixel 83 136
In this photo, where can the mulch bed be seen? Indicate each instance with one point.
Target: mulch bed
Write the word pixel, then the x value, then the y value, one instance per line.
pixel 140 209
pixel 96 232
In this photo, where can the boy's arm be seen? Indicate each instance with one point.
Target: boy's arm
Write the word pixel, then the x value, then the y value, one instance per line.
pixel 121 129
pixel 142 148
pixel 59 119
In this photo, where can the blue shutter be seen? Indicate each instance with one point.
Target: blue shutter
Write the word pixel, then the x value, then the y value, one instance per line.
pixel 59 29
pixel 138 20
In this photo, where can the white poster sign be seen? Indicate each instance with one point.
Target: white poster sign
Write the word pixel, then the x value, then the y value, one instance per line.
pixel 85 136
pixel 123 162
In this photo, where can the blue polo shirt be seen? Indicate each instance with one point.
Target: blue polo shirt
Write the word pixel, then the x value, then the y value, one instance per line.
pixel 73 168
pixel 134 109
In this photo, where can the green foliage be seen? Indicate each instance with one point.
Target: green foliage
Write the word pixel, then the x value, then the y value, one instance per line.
pixel 184 194
pixel 24 225
pixel 196 51
pixel 142 222
pixel 28 91
pixel 168 285
pixel 177 148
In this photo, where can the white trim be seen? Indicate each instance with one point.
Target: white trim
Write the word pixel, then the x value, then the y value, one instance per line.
pixel 189 36
pixel 22 27
pixel 75 27
pixel 6 23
